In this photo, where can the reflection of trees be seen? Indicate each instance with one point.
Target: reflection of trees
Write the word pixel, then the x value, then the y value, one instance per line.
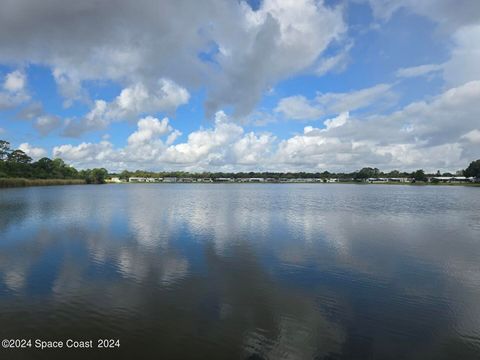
pixel 13 208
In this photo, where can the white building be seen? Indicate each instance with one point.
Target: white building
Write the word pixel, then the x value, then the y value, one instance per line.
pixel 115 180
pixel 221 179
pixel 169 179
pixel 256 179
pixel 401 179
pixel 450 179
pixel 137 179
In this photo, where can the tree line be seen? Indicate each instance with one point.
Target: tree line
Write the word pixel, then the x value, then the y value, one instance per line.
pixel 15 163
pixel 473 170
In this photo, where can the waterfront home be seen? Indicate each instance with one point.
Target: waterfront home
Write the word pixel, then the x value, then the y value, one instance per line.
pixel 332 180
pixel 223 179
pixel 169 179
pixel 377 180
pixel 137 179
pixel 114 180
pixel 450 179
pixel 400 179
pixel 185 180
pixel 256 180
pixel 205 180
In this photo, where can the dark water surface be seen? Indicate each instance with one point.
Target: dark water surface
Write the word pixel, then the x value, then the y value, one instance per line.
pixel 234 271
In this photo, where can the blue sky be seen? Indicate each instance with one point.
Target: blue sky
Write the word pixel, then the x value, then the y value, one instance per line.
pixel 258 85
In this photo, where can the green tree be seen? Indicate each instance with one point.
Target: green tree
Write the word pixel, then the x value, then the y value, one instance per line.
pixel 19 157
pixel 125 174
pixel 419 175
pixel 43 168
pixel 473 169
pixel 367 172
pixel 4 150
pixel 94 176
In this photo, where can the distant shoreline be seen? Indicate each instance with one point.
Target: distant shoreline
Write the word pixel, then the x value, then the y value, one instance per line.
pixel 297 183
pixel 18 183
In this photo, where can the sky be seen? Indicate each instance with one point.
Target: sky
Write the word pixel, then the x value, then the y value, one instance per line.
pixel 242 85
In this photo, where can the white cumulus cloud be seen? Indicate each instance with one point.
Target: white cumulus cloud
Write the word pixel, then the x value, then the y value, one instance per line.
pixel 14 90
pixel 32 151
pixel 298 107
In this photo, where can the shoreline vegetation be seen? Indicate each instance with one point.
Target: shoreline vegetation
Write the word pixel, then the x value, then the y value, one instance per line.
pixel 17 169
pixel 14 182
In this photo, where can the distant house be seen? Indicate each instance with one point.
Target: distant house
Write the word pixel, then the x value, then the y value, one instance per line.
pixel 223 179
pixel 137 179
pixel 256 180
pixel 114 180
pixel 377 180
pixel 185 180
pixel 169 179
pixel 331 180
pixel 400 179
pixel 451 179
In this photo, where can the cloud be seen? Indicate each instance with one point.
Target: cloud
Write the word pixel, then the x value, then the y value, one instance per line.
pixel 70 87
pixel 299 107
pixel 148 129
pixel 224 145
pixel 129 104
pixel 441 133
pixel 31 111
pixel 15 82
pixel 85 153
pixel 448 13
pixel 144 147
pixel 205 146
pixel 336 63
pixel 136 100
pixel 420 70
pixel 33 152
pixel 472 136
pixel 463 63
pixel 342 102
pixel 248 50
pixel 2 131
pixel 45 124
pixel 462 23
pixel 338 121
pixel 14 90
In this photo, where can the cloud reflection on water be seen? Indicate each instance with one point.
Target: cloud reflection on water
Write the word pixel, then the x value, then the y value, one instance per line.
pixel 292 271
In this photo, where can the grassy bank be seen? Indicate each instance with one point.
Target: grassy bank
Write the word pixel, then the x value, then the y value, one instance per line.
pixel 11 182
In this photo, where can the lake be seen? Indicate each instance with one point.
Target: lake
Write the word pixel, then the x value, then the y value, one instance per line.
pixel 242 271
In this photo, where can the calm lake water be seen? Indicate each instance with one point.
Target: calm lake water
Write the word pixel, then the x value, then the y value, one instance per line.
pixel 251 271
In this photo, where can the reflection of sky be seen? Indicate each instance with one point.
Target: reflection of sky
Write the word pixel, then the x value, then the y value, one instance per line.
pixel 287 271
